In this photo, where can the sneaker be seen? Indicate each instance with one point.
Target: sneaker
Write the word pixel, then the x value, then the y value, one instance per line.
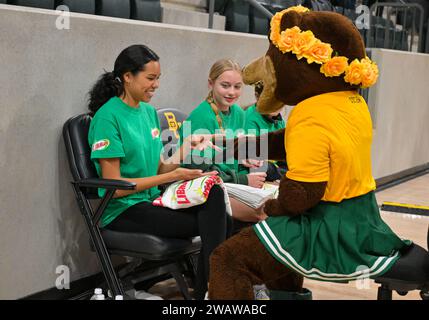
pixel 143 295
pixel 261 292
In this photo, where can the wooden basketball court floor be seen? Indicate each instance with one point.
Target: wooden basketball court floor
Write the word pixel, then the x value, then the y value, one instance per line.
pixel 407 226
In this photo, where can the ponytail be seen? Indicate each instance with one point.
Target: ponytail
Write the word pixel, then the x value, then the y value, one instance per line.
pixel 106 87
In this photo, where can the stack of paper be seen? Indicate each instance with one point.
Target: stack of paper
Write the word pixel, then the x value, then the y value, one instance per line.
pixel 253 197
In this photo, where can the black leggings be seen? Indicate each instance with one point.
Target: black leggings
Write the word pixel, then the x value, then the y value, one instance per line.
pixel 209 221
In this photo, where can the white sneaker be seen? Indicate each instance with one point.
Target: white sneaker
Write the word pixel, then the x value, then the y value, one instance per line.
pixel 143 295
pixel 206 297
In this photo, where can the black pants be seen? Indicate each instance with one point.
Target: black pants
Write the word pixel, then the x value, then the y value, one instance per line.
pixel 209 221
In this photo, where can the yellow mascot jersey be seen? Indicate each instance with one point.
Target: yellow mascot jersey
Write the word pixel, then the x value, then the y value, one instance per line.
pixel 328 138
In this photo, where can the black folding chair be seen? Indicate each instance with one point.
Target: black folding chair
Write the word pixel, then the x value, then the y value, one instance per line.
pixel 410 272
pixel 153 258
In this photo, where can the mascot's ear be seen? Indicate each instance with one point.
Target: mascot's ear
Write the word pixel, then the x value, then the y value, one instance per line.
pixel 290 19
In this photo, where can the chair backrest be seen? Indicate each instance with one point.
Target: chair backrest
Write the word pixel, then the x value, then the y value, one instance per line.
pixel 81 6
pixel 288 3
pixel 319 5
pixel 75 135
pixel 113 8
pixel 44 4
pixel 147 10
pixel 258 23
pixel 170 121
pixel 237 16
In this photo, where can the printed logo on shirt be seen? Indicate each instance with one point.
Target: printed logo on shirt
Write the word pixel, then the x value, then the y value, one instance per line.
pixel 101 145
pixel 355 99
pixel 155 133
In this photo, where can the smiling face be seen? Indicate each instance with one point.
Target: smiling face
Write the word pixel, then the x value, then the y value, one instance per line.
pixel 226 89
pixel 142 86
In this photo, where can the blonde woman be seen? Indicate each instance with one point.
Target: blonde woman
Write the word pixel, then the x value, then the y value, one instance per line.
pixel 218 113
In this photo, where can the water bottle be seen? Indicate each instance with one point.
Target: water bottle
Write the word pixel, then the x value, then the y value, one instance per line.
pixel 98 294
pixel 99 297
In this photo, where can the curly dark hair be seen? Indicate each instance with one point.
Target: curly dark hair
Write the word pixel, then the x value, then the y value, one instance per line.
pixel 132 59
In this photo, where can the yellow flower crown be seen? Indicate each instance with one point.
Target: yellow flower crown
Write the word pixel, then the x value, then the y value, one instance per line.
pixel 304 44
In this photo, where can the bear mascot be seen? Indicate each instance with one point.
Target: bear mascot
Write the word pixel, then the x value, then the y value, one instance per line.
pixel 325 223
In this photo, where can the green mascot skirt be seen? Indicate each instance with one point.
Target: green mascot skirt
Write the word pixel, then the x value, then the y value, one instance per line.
pixel 336 242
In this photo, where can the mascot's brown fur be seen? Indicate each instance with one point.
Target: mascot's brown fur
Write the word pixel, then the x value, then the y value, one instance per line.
pixel 242 261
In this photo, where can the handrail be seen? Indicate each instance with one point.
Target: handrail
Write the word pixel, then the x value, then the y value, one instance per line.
pixel 376 5
pixel 211 13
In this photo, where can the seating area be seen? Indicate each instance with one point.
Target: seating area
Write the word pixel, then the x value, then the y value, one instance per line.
pixel 383 32
pixel 147 10
pixel 240 16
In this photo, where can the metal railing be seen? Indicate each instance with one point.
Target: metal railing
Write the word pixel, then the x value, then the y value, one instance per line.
pixel 394 9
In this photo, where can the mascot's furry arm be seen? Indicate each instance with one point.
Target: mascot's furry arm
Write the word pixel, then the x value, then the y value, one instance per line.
pixel 275 141
pixel 295 197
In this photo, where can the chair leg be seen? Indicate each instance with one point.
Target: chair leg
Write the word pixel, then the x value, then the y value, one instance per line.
pixel 107 267
pixel 181 283
pixel 99 246
pixel 384 293
pixel 191 269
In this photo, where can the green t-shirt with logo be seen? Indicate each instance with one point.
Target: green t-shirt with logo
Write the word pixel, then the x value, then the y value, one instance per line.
pixel 255 122
pixel 258 124
pixel 203 120
pixel 133 135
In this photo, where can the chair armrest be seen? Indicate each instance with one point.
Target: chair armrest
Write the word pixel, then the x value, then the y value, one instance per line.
pixel 106 184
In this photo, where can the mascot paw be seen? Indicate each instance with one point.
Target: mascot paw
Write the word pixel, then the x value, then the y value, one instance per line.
pixel 273 208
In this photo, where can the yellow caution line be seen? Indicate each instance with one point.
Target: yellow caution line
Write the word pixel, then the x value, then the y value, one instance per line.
pixel 405 205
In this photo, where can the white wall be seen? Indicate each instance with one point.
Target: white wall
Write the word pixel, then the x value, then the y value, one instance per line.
pixel 400 106
pixel 45 74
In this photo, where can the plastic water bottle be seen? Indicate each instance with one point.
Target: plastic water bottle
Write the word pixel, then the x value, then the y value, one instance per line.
pixel 100 297
pixel 98 294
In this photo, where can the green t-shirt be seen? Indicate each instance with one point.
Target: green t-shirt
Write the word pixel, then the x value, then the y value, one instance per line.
pixel 257 122
pixel 203 120
pixel 133 135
